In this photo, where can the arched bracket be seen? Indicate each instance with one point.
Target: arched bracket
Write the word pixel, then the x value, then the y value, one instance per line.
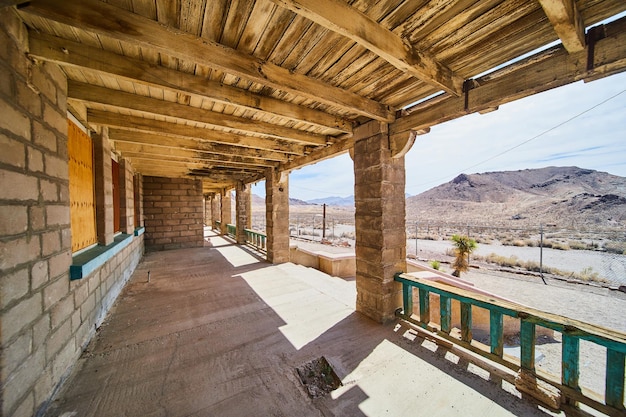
pixel 399 144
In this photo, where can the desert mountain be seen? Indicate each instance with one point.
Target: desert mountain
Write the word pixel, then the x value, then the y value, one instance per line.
pixel 563 196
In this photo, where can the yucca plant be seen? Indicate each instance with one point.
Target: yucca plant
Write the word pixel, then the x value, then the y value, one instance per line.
pixel 463 246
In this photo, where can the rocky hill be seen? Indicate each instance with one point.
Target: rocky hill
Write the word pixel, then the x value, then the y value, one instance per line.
pixel 561 196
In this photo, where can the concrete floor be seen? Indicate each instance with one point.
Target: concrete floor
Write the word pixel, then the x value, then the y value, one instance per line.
pixel 219 332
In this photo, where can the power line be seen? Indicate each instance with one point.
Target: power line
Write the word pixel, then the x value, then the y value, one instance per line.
pixel 527 140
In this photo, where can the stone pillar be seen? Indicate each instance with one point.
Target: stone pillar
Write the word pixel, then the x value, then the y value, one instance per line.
pixel 243 197
pixel 379 186
pixel 127 200
pixel 215 209
pixel 104 187
pixel 277 215
pixel 226 217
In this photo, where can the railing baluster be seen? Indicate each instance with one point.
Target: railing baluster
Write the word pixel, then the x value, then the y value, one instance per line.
pixel 445 310
pixel 407 298
pixel 570 357
pixel 466 322
pixel 496 324
pixel 527 345
pixel 615 362
pixel 424 297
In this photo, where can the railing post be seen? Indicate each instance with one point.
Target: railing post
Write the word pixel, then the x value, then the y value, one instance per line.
pixel 570 360
pixel 496 324
pixel 466 322
pixel 445 310
pixel 615 378
pixel 407 299
pixel 527 345
pixel 424 297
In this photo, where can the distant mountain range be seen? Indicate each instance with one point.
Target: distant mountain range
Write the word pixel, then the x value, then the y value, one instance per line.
pixel 562 196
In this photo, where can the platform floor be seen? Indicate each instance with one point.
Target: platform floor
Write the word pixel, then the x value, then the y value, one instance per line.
pixel 220 332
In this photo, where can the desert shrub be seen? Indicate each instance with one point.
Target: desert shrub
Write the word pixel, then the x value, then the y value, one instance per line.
pixel 435 265
pixel 347 235
pixel 519 243
pixel 463 246
pixel 577 245
pixel 615 247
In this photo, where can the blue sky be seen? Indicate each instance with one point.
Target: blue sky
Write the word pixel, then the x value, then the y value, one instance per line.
pixel 582 124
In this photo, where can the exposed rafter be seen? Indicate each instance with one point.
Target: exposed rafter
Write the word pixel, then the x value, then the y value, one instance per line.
pixel 552 68
pixel 119 24
pixel 153 138
pixel 567 21
pixel 340 17
pixel 120 99
pixel 166 152
pixel 67 53
pixel 104 118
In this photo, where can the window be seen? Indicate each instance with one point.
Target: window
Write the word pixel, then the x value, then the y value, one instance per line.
pixel 82 190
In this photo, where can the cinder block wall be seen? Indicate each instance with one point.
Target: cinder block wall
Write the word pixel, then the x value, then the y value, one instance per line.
pixel 45 319
pixel 173 213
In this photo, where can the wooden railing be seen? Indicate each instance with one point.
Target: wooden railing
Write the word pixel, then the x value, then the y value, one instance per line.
pixel 573 331
pixel 256 239
pixel 231 230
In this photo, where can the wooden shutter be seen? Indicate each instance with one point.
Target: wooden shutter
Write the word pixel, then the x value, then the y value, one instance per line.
pixel 82 196
pixel 116 195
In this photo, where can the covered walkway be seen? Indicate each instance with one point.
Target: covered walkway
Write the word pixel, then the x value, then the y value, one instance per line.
pixel 217 331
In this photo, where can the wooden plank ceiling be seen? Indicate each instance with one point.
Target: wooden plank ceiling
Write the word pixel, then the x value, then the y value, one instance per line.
pixel 224 89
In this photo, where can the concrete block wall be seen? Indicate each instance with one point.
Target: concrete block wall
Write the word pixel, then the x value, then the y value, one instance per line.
pixel 45 319
pixel 173 213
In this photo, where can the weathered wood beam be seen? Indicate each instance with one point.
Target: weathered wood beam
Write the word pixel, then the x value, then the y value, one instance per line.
pixel 567 22
pixel 543 71
pixel 340 17
pixel 105 118
pixel 102 18
pixel 139 137
pixel 337 148
pixel 9 3
pixel 219 172
pixel 67 53
pixel 164 152
pixel 120 99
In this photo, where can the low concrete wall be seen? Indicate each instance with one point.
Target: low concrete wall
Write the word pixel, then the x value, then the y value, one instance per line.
pixel 334 264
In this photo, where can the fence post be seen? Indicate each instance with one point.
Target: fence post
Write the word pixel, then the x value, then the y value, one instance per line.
pixel 541 253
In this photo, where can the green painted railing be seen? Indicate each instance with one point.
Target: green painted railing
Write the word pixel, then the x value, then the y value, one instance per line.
pixel 573 331
pixel 256 239
pixel 231 230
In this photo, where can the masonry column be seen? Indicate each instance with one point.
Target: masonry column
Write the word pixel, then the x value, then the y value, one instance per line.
pixel 277 215
pixel 215 209
pixel 379 185
pixel 225 211
pixel 104 187
pixel 243 195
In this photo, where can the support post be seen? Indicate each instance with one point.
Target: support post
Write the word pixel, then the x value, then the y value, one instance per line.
pixel 380 222
pixel 226 217
pixel 277 215
pixel 243 195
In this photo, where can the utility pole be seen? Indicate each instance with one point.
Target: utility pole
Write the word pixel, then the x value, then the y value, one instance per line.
pixel 324 222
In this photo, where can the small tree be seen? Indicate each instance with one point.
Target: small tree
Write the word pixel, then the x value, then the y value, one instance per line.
pixel 463 246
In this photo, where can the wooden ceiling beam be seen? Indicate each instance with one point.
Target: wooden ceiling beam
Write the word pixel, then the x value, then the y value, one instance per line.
pixel 102 18
pixel 543 71
pixel 163 152
pixel 121 121
pixel 139 137
pixel 567 22
pixel 340 17
pixel 67 53
pixel 123 100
